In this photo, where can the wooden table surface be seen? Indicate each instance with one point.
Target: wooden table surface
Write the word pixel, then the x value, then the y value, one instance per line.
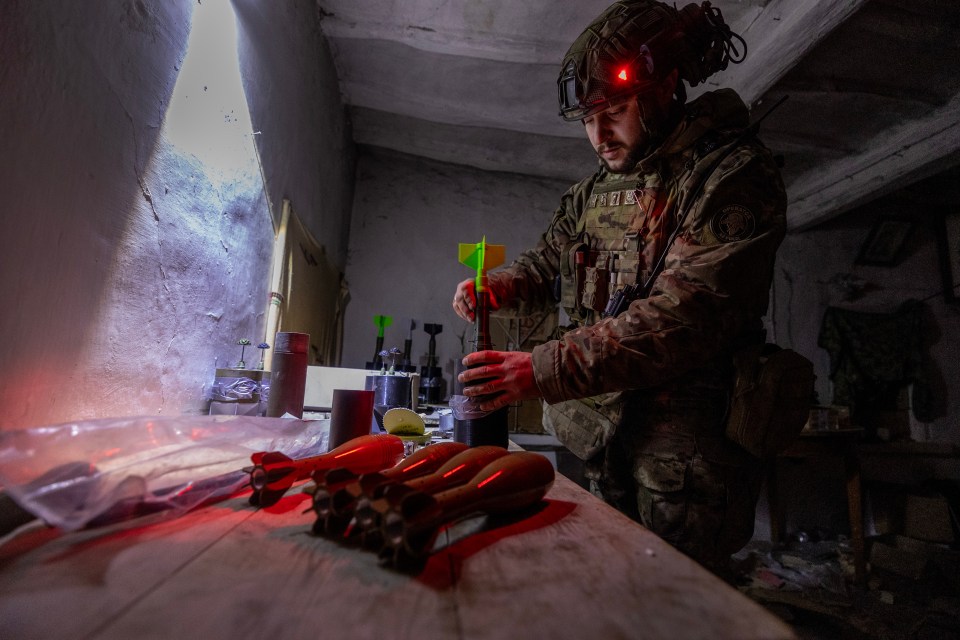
pixel 575 569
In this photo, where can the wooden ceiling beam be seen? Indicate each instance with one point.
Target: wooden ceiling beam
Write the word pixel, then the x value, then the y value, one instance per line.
pixel 523 33
pixel 490 149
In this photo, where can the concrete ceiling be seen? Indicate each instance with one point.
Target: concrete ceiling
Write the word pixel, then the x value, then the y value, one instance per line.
pixel 873 86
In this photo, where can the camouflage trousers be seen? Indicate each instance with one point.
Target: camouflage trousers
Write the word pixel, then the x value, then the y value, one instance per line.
pixel 670 468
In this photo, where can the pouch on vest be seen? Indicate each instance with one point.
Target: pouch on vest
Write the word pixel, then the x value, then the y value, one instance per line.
pixel 772 395
pixel 595 291
pixel 596 281
pixel 583 429
pixel 572 265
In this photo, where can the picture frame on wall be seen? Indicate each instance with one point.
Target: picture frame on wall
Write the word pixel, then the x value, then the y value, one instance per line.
pixel 885 243
pixel 949 249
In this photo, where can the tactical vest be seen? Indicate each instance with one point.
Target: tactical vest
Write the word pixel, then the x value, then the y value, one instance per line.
pixel 625 225
pixel 620 235
pixel 623 230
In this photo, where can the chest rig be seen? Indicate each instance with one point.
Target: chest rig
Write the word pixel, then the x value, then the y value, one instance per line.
pixel 620 234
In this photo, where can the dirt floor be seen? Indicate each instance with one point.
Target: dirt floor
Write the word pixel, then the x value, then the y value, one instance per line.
pixel 912 590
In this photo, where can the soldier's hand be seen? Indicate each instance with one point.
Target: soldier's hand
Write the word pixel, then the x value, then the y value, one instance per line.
pixel 465 299
pixel 499 378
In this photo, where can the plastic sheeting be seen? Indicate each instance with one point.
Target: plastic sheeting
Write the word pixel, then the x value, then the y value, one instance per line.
pixel 97 472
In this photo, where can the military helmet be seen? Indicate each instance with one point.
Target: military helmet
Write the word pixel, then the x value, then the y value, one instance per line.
pixel 634 44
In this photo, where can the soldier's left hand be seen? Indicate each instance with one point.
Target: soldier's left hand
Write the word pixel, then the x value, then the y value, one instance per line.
pixel 499 378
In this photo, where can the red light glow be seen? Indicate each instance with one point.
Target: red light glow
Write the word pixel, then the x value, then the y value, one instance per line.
pixel 490 479
pixel 454 470
pixel 623 74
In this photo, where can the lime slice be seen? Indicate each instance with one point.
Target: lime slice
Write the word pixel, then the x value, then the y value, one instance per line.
pixel 403 422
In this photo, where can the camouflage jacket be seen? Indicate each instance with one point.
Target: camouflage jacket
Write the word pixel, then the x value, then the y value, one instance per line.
pixel 713 288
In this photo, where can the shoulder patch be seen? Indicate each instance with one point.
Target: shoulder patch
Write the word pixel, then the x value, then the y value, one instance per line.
pixel 733 222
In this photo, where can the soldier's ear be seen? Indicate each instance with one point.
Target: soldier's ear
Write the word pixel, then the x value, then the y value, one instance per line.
pixel 668 85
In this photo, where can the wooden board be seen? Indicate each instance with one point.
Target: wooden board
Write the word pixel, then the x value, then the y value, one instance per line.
pixel 574 569
pixel 60 586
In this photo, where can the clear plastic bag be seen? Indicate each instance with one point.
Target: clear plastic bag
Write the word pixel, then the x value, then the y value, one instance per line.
pixel 466 408
pixel 233 389
pixel 98 472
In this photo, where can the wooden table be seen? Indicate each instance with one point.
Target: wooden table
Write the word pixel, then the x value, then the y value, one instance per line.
pixel 575 569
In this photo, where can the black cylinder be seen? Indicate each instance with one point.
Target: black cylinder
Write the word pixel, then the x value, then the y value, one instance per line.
pixel 389 392
pixel 488 430
pixel 288 374
pixel 432 387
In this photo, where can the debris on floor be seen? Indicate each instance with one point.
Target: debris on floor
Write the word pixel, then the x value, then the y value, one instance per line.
pixel 912 590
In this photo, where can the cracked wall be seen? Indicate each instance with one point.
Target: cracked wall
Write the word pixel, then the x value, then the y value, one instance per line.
pixel 132 269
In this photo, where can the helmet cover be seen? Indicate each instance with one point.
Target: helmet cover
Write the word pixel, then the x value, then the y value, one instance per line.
pixel 633 45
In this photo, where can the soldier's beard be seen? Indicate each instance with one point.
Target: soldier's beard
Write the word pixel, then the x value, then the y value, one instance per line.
pixel 634 155
pixel 653 121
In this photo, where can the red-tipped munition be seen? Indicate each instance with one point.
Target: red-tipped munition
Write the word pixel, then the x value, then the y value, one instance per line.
pixel 273 472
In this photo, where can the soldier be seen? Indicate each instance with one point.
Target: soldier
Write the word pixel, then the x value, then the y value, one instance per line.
pixel 688 201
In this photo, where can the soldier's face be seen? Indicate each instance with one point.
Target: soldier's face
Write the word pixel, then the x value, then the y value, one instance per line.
pixel 617 135
pixel 624 133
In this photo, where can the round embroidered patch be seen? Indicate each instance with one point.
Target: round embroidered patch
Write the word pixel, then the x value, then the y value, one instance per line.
pixel 733 222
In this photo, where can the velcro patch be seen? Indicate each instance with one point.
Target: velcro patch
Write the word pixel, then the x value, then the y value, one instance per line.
pixel 733 222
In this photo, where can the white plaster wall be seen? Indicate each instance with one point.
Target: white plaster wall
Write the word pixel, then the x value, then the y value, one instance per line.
pixel 409 216
pixel 129 270
pixel 303 136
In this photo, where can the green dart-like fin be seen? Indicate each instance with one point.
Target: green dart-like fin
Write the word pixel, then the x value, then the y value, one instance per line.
pixel 382 323
pixel 482 257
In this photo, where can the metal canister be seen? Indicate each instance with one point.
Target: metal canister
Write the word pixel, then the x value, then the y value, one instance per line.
pixel 288 374
pixel 390 391
pixel 491 430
